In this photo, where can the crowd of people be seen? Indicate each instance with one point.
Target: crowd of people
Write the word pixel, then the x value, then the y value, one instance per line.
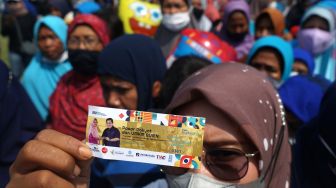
pixel 261 72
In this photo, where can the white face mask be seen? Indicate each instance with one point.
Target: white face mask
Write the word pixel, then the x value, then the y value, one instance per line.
pixel 177 21
pixel 192 180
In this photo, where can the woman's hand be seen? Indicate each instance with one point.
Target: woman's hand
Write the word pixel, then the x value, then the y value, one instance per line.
pixel 52 159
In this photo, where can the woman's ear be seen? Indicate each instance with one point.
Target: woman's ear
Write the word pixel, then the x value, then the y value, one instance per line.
pixel 156 89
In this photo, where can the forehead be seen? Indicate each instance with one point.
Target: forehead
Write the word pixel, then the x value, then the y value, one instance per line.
pixel 220 129
pixel 316 21
pixel 268 54
pixel 83 30
pixel 237 16
pixel 45 30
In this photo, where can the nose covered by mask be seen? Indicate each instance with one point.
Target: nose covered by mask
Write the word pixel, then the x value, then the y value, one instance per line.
pixel 176 21
pixel 315 40
pixel 84 61
pixel 193 180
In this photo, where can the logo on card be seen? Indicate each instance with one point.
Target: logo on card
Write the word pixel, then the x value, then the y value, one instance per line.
pixel 98 113
pixel 104 150
pixel 95 149
pixel 161 157
pixel 145 155
pixel 129 154
pixel 170 158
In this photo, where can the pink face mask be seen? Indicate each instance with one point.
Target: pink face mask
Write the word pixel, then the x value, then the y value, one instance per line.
pixel 315 40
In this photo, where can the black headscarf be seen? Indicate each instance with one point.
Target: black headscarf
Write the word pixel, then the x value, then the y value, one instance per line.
pixel 19 120
pixel 314 162
pixel 137 59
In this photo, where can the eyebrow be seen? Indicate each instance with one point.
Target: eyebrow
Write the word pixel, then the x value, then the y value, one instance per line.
pixel 220 143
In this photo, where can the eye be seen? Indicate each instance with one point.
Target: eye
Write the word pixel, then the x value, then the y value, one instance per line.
pixel 156 15
pixel 139 9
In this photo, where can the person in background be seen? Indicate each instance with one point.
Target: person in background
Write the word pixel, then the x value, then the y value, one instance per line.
pixel 87 36
pixel 131 81
pixel 317 36
pixel 273 56
pixel 110 15
pixel 314 153
pixel 212 10
pixel 258 6
pixel 49 64
pixel 235 27
pixel 297 11
pixel 180 70
pixel 270 22
pixel 198 14
pixel 303 62
pixel 176 17
pixel 242 146
pixel 19 120
pixel 59 7
pixel 18 23
pixel 301 96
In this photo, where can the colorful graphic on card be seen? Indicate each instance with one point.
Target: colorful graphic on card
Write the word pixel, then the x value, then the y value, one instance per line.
pixel 146 137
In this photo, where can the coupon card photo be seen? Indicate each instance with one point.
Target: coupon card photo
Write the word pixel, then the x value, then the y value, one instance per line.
pixel 146 137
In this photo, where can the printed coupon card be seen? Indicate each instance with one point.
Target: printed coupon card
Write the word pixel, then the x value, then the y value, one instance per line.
pixel 145 137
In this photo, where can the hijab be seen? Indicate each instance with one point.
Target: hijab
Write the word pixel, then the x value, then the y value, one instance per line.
pixel 302 95
pixel 69 103
pixel 94 22
pixel 94 130
pixel 256 107
pixel 281 46
pixel 325 63
pixel 136 59
pixel 313 155
pixel 42 75
pixel 306 58
pixel 243 46
pixel 277 18
pixel 19 120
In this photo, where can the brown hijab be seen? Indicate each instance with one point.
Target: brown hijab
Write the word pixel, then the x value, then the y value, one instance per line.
pixel 277 18
pixel 244 94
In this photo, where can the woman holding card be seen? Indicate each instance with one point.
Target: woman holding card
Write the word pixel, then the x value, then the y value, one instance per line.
pixel 243 147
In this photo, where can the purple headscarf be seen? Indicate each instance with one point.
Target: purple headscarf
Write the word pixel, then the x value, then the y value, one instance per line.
pixel 242 47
